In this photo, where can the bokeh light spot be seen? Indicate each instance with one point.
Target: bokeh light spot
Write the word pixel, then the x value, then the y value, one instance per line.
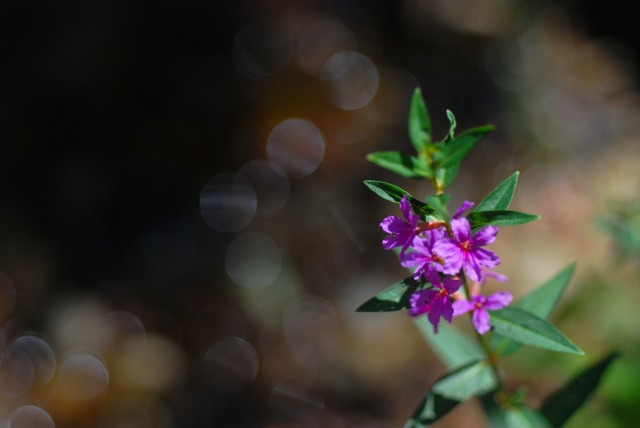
pixel 270 183
pixel 311 327
pixel 253 260
pixel 231 364
pixel 39 354
pixel 83 376
pixel 297 146
pixel 228 202
pixel 30 417
pixel 350 80
pixel 320 42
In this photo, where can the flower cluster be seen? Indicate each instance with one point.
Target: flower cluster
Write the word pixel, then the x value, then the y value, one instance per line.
pixel 444 255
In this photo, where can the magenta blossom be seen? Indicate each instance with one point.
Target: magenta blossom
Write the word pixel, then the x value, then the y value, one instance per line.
pixel 480 304
pixel 402 231
pixel 423 258
pixel 435 302
pixel 465 252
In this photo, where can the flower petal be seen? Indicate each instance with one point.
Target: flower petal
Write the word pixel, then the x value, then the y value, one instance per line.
pixel 481 321
pixel 485 258
pixel 461 229
pixel 465 206
pixel 462 307
pixel 498 300
pixel 405 208
pixel 484 236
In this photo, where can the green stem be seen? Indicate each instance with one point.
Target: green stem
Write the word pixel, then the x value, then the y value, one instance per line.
pixel 492 358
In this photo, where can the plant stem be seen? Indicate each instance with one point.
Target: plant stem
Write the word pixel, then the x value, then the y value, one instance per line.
pixel 491 357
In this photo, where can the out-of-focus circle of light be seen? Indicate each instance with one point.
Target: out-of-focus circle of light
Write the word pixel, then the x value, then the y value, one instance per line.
pixel 297 146
pixel 270 183
pixel 30 417
pixel 350 80
pixel 116 328
pixel 311 327
pixel 228 203
pixel 321 41
pixel 17 374
pixel 253 260
pixel 83 376
pixel 261 48
pixel 231 364
pixel 7 297
pixel 40 355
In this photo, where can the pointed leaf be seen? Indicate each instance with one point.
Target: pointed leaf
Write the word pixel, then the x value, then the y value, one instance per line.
pixel 500 197
pixel 478 219
pixel 452 346
pixel 431 408
pixel 452 127
pixel 563 403
pixel 419 122
pixel 539 302
pixel 522 416
pixel 472 379
pixel 449 174
pixel 447 392
pixel 524 327
pixel 393 298
pixel 439 203
pixel 456 150
pixel 393 193
pixel 400 163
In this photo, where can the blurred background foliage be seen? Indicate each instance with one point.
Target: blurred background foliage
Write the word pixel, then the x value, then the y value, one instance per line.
pixel 184 233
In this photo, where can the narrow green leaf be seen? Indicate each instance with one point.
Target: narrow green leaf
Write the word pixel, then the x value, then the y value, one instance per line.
pixel 452 127
pixel 439 203
pixel 393 298
pixel 431 408
pixel 455 150
pixel 522 416
pixel 493 411
pixel 419 123
pixel 499 218
pixel 449 174
pixel 524 327
pixel 500 197
pixel 453 347
pixel 563 403
pixel 544 299
pixel 540 302
pixel 400 163
pixel 393 193
pixel 455 386
pixel 472 379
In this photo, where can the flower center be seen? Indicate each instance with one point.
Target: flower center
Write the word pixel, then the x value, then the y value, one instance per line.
pixel 466 245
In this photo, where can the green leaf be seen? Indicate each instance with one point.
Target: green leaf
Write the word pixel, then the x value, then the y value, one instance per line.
pixel 400 163
pixel 393 193
pixel 522 416
pixel 524 327
pixel 419 123
pixel 447 392
pixel 455 150
pixel 500 197
pixel 431 408
pixel 540 302
pixel 452 127
pixel 439 203
pixel 449 174
pixel 393 298
pixel 472 379
pixel 563 403
pixel 492 411
pixel 499 218
pixel 452 346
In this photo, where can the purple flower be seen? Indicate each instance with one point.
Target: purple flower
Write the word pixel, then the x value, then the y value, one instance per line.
pixel 480 304
pixel 423 258
pixel 402 231
pixel 435 302
pixel 465 251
